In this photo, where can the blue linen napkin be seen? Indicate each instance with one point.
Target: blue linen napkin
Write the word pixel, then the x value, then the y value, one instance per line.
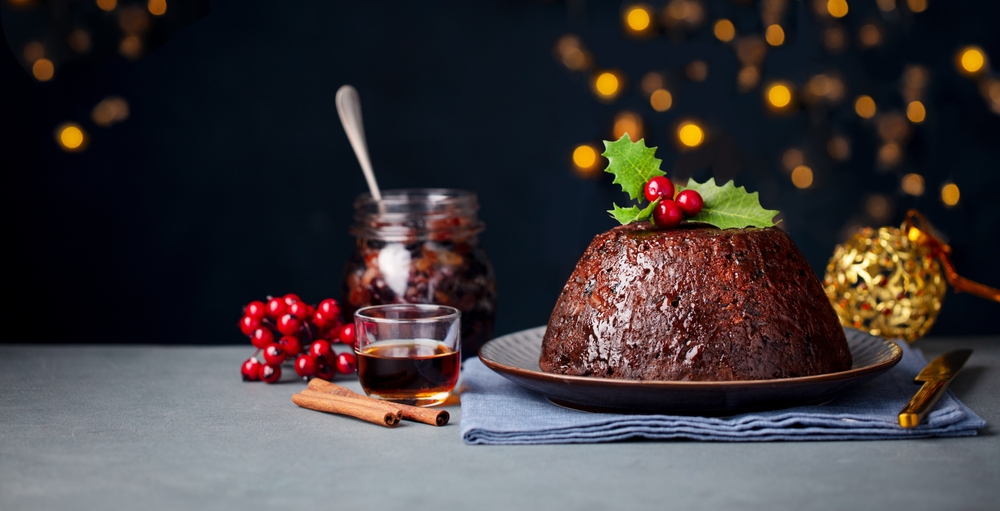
pixel 497 411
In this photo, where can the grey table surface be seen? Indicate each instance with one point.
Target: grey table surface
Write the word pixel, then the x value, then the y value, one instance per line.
pixel 152 427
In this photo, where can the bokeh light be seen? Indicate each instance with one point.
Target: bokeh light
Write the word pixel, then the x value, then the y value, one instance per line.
pixel 690 134
pixel 724 30
pixel 865 107
pixel 131 47
pixel 651 83
pixel 697 71
pixel 913 184
pixel 775 35
pixel 839 148
pixel 837 8
pixel 802 177
pixel 779 96
pixel 878 207
pixel 33 51
pixel 971 60
pixel 950 194
pixel 607 85
pixel 71 137
pixel 638 19
pixel 869 35
pixel 792 158
pixel 886 5
pixel 747 78
pixel 889 155
pixel 834 39
pixel 157 7
pixel 585 161
pixel 628 122
pixel 917 5
pixel 570 51
pixel 43 69
pixel 107 5
pixel 79 40
pixel 111 110
pixel 916 112
pixel 661 100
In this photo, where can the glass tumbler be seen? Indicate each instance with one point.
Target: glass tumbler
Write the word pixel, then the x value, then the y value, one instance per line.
pixel 408 353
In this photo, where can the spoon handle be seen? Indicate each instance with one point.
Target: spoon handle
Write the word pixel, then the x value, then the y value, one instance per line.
pixel 349 109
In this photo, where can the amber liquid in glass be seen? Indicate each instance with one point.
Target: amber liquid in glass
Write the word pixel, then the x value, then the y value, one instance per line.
pixel 420 372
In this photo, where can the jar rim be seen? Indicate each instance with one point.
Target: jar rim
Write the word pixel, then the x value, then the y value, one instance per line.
pixel 446 313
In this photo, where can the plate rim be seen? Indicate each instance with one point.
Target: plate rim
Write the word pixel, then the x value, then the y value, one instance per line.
pixel 897 355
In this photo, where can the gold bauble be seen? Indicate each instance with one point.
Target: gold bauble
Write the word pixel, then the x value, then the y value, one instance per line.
pixel 883 282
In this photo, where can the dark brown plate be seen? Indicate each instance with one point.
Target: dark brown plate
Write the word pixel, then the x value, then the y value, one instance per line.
pixel 515 357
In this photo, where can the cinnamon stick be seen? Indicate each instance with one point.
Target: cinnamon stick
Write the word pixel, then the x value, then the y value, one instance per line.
pixel 350 407
pixel 412 413
pixel 381 405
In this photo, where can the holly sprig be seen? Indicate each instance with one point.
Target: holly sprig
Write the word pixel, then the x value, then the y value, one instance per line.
pixel 727 206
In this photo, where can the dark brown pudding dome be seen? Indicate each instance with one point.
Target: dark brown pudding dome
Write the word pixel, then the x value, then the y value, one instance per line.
pixel 693 303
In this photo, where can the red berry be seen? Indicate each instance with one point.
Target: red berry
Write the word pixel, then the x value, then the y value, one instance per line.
pixel 330 309
pixel 270 373
pixel 251 369
pixel 255 309
pixel 346 334
pixel 291 345
pixel 276 308
pixel 291 298
pixel 249 324
pixel 667 214
pixel 324 370
pixel 319 319
pixel 274 354
pixel 305 366
pixel 288 325
pixel 299 310
pixel 690 202
pixel 322 350
pixel 346 363
pixel 659 187
pixel 261 337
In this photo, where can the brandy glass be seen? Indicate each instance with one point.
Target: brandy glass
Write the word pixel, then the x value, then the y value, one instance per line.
pixel 408 353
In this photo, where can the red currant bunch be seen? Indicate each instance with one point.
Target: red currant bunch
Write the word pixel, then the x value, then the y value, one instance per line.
pixel 671 209
pixel 287 329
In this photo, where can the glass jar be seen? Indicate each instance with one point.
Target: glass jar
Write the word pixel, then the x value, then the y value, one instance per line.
pixel 422 246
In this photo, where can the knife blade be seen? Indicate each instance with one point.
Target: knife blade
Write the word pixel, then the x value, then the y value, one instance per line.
pixel 935 378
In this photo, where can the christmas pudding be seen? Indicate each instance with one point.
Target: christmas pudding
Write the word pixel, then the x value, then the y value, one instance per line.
pixel 696 285
pixel 693 303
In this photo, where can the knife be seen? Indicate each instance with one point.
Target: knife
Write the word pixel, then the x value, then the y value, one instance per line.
pixel 935 377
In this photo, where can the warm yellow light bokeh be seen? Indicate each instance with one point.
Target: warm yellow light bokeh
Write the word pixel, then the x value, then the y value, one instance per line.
pixel 779 95
pixel 886 5
pixel 628 122
pixel 724 30
pixel 690 134
pixel 43 69
pixel 802 177
pixel 107 5
pixel 661 100
pixel 972 59
pixel 637 19
pixel 70 137
pixel 584 157
pixel 606 84
pixel 157 7
pixel 913 184
pixel 869 35
pixel 775 35
pixel 917 5
pixel 916 112
pixel 792 158
pixel 837 8
pixel 839 148
pixel 865 107
pixel 950 194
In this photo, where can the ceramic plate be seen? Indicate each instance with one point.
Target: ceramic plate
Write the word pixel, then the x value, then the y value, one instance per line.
pixel 515 357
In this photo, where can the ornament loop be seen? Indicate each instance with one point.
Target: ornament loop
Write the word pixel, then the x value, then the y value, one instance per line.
pixel 920 231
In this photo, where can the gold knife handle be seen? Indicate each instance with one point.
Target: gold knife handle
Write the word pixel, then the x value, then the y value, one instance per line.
pixel 914 412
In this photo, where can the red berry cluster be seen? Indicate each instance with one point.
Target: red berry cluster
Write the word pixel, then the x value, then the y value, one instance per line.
pixel 306 333
pixel 671 210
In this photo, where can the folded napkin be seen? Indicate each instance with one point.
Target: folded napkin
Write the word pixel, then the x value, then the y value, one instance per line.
pixel 500 412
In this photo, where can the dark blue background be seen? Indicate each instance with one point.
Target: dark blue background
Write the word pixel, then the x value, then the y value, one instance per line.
pixel 232 179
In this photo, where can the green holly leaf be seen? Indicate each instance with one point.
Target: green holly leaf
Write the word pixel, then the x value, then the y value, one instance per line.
pixel 632 163
pixel 728 207
pixel 632 214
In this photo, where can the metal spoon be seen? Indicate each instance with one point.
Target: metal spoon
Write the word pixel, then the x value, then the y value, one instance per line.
pixel 349 109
